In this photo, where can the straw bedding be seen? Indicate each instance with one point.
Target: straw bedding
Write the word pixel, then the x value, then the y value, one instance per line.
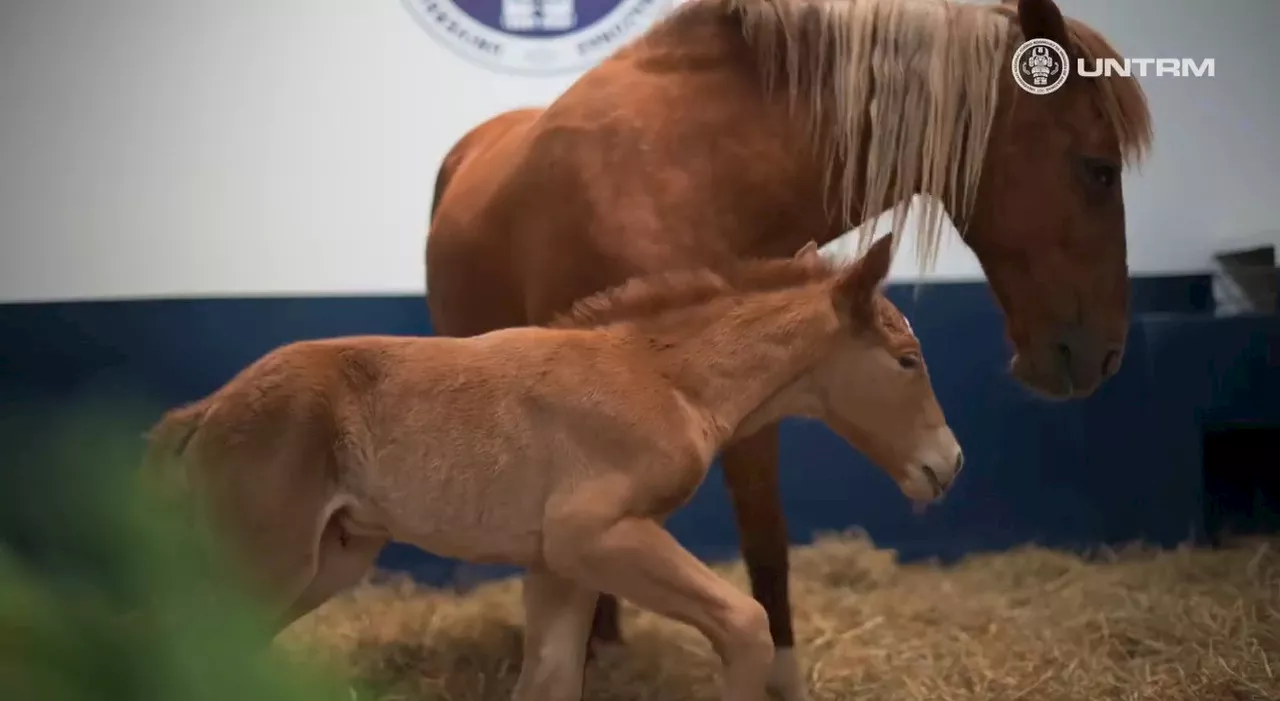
pixel 1026 625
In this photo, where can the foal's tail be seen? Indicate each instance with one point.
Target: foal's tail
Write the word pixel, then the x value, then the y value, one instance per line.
pixel 166 442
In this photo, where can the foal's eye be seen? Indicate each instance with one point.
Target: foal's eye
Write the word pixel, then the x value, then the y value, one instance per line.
pixel 910 361
pixel 1100 174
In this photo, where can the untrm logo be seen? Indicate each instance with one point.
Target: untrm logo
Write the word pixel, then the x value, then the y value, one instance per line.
pixel 1040 66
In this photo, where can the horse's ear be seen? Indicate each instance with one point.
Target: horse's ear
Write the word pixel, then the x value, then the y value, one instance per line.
pixel 808 252
pixel 860 281
pixel 1041 19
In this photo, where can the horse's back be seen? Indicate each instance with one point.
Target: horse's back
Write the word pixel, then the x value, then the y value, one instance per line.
pixel 648 162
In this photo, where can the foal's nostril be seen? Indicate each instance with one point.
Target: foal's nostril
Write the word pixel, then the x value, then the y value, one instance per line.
pixel 1110 363
pixel 959 464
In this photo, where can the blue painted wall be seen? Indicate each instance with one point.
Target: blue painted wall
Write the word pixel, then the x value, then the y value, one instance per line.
pixel 1122 465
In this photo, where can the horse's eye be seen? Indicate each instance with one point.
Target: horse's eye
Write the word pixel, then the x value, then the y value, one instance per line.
pixel 1100 174
pixel 910 361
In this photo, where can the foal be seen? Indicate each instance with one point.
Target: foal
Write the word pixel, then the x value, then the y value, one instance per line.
pixel 559 449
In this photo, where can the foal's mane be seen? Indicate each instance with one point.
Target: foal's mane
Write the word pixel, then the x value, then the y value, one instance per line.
pixel 650 296
pixel 922 77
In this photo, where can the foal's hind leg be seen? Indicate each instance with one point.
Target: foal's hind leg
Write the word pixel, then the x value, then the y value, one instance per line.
pixel 557 622
pixel 342 559
pixel 276 557
pixel 638 560
pixel 751 475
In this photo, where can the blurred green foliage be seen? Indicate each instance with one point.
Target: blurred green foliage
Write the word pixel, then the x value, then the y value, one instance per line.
pixel 106 594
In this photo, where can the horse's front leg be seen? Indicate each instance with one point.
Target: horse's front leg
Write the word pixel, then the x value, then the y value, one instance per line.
pixel 751 475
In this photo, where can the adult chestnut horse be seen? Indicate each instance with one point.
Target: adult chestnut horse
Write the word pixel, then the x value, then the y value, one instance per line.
pixel 743 128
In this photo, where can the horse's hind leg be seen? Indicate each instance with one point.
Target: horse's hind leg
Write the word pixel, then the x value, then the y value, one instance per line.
pixel 557 622
pixel 751 474
pixel 606 631
pixel 342 559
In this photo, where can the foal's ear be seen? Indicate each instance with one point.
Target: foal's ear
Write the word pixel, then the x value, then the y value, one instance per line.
pixel 1041 19
pixel 808 252
pixel 858 284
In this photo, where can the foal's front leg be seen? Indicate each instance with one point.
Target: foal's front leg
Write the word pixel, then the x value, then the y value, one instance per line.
pixel 636 559
pixel 557 622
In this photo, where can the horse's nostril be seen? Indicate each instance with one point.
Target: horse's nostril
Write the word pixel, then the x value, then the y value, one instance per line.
pixel 959 463
pixel 1110 363
pixel 932 476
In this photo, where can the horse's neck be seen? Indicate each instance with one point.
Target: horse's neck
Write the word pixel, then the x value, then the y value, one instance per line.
pixel 731 362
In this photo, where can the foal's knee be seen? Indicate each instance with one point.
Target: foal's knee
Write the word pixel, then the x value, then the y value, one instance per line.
pixel 746 627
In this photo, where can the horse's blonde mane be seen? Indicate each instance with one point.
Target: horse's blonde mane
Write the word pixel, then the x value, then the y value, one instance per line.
pixel 650 296
pixel 922 79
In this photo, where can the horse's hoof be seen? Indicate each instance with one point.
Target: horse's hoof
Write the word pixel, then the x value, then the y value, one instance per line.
pixel 605 649
pixel 785 680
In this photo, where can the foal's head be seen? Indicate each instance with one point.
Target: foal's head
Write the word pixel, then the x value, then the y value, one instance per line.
pixel 873 388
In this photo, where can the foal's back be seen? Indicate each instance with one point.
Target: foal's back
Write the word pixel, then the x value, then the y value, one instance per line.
pixel 451 444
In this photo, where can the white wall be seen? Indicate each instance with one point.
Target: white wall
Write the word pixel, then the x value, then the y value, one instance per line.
pixel 243 147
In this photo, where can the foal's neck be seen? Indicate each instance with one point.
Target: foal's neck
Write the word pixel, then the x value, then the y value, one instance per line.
pixel 731 357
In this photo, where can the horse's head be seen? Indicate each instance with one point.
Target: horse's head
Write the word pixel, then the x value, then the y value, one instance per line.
pixel 872 387
pixel 1048 221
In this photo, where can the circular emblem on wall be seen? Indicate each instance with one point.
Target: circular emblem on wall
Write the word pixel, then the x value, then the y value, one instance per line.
pixel 535 37
pixel 1040 66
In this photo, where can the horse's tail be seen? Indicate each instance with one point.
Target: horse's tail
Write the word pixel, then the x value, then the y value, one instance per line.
pixel 166 442
pixel 480 137
pixel 442 181
pixel 448 166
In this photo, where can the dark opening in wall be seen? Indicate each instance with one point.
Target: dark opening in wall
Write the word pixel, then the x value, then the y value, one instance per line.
pixel 1241 481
